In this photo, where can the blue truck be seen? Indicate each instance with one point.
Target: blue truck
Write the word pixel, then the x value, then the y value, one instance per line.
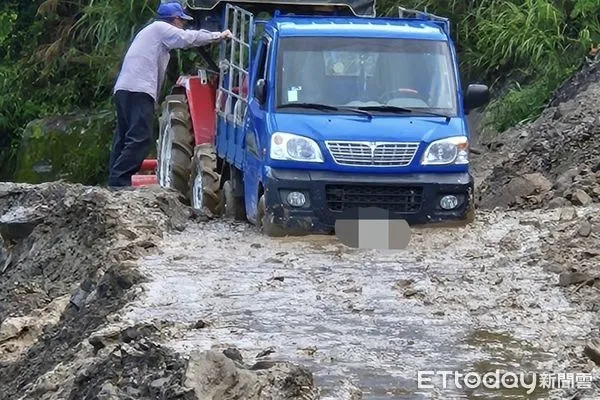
pixel 318 109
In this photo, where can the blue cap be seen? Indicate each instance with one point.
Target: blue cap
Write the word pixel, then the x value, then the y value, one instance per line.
pixel 172 10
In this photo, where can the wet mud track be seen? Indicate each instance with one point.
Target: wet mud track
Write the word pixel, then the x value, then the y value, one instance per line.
pixel 459 299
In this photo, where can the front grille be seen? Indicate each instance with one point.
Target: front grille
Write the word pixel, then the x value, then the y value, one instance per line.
pixel 392 198
pixel 392 154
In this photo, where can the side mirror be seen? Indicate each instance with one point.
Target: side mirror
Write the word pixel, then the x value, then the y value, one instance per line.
pixel 260 91
pixel 475 97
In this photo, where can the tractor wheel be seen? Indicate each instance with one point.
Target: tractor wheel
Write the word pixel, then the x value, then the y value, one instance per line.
pixel 205 181
pixel 264 223
pixel 233 207
pixel 175 145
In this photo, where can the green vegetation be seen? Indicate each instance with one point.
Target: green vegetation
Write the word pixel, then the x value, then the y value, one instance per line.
pixel 59 56
pixel 523 49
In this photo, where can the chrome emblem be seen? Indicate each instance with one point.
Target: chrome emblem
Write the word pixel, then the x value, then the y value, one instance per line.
pixel 373 146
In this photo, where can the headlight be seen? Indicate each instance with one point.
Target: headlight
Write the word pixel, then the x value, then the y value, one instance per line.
pixel 454 150
pixel 285 146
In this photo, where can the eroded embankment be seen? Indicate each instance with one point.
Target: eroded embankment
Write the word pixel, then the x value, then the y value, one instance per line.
pixel 68 264
pixel 555 160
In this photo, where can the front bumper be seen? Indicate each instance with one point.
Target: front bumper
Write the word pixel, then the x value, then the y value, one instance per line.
pixel 333 195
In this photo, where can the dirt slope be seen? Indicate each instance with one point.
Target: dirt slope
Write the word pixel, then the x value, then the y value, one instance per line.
pixel 555 160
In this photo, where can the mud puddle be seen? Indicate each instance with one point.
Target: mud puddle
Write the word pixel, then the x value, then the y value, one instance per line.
pixel 466 299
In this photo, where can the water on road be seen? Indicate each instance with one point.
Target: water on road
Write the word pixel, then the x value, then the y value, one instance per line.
pixel 458 299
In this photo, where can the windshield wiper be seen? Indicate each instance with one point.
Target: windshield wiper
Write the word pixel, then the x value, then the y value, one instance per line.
pixel 326 107
pixel 403 110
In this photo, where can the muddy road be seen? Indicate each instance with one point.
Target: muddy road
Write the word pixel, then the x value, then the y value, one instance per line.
pixel 469 299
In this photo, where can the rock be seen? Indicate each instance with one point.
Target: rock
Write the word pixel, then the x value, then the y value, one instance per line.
pixel 159 383
pixel 266 352
pixel 518 188
pixel 105 336
pixel 592 351
pixel 130 334
pixel 210 374
pixel 233 354
pixel 18 223
pixel 84 290
pixel 133 391
pixel 590 253
pixel 571 173
pixel 310 350
pixel 71 147
pixel 580 198
pixel 108 391
pixel 263 364
pixel 531 221
pixel 199 324
pixel 558 202
pixel 587 182
pixel 402 283
pixel 538 182
pixel 562 184
pixel 572 278
pixel 567 214
pixel 410 292
pixel 12 327
pixel 585 229
pixel 554 268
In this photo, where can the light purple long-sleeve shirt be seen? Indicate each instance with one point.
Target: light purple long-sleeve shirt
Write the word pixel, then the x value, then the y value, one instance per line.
pixel 146 61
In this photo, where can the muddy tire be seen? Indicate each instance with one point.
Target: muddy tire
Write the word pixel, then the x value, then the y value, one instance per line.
pixel 233 207
pixel 175 145
pixel 205 182
pixel 265 224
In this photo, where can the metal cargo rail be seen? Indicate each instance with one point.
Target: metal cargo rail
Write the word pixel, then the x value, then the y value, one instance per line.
pixel 365 8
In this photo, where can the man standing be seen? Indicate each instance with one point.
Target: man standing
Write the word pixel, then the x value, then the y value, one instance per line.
pixel 138 86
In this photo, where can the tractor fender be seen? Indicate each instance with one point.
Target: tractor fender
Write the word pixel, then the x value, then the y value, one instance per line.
pixel 200 93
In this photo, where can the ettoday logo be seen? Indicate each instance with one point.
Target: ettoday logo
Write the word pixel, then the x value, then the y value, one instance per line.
pixel 506 380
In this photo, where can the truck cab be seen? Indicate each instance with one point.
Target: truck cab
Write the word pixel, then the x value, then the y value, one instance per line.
pixel 347 113
pixel 336 113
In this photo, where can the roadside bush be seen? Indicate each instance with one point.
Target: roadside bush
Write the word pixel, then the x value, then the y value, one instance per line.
pixel 523 49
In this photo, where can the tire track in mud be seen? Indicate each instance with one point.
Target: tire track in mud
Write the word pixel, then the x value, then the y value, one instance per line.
pixel 473 298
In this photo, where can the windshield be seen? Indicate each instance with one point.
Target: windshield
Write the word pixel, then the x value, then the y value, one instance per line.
pixel 358 72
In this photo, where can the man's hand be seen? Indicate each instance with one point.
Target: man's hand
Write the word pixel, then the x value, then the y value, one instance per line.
pixel 226 34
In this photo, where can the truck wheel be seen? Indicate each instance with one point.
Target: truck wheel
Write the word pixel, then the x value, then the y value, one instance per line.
pixel 233 207
pixel 265 224
pixel 175 144
pixel 204 181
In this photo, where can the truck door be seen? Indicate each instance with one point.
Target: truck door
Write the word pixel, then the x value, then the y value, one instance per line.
pixel 255 129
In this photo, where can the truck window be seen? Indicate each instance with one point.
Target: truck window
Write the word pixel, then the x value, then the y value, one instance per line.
pixel 345 71
pixel 262 58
